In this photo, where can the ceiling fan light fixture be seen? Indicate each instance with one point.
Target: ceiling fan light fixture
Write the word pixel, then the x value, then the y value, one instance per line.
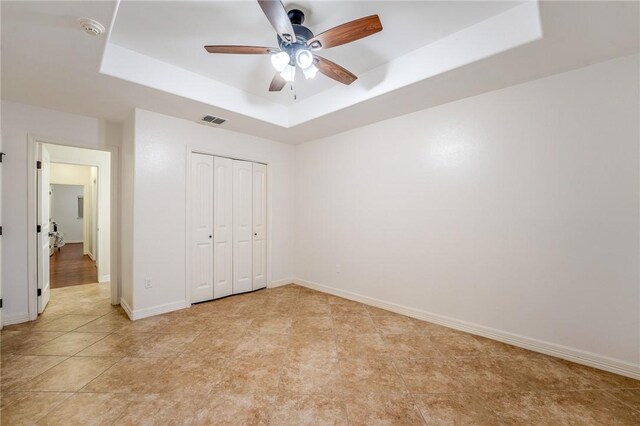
pixel 288 73
pixel 304 58
pixel 310 72
pixel 280 60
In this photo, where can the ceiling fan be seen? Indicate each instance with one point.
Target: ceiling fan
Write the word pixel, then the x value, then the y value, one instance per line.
pixel 297 45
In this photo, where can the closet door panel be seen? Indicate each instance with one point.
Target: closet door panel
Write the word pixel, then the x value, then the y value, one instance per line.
pixel 223 227
pixel 259 226
pixel 242 226
pixel 201 253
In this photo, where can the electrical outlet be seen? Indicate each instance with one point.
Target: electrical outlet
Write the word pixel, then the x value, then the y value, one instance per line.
pixel 147 283
pixel 338 268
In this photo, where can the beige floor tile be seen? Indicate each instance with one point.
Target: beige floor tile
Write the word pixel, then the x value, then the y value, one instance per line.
pixel 107 324
pixel 370 375
pixel 455 409
pixel 595 408
pixel 312 324
pixel 311 376
pixel 458 345
pixel 19 369
pixel 382 409
pixel 28 407
pixel 534 408
pixel 350 324
pixel 432 375
pixel 64 323
pixel 486 374
pixel 117 345
pixel 87 409
pixel 539 372
pixel 70 375
pixel 22 342
pixel 207 346
pixel 252 374
pixel 601 379
pixel 410 346
pixel 360 346
pixel 68 344
pixel 312 345
pixel 162 345
pixel 630 397
pixel 133 375
pixel 271 325
pixel 306 410
pixel 398 324
pixel 255 344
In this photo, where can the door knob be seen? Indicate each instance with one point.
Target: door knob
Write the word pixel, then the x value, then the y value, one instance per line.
pixel 210 236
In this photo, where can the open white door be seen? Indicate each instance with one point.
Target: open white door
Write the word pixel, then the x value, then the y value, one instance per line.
pixel 242 226
pixel 44 290
pixel 201 228
pixel 259 226
pixel 222 227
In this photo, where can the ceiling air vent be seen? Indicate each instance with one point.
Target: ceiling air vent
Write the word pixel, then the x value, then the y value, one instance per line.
pixel 210 119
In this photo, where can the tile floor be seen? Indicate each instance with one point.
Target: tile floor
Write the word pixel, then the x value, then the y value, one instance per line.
pixel 285 356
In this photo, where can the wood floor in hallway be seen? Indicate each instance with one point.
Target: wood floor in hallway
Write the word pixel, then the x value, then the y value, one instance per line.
pixel 69 267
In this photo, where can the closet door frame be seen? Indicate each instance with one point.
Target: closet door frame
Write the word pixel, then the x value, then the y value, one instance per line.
pixel 192 150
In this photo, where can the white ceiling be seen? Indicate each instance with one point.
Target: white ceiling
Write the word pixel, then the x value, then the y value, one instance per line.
pixel 48 61
pixel 175 33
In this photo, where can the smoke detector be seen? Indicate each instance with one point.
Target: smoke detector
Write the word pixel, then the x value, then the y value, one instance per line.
pixel 91 27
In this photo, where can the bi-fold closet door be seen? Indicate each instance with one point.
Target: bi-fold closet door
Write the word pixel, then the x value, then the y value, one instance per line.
pixel 228 226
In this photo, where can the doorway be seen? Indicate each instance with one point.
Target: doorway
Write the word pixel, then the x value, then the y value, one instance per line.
pixel 72 204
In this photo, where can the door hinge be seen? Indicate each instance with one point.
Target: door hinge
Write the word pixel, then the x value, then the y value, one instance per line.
pixel 0 303
pixel 38 164
pixel 39 292
pixel 0 230
pixel 38 228
pixel 2 154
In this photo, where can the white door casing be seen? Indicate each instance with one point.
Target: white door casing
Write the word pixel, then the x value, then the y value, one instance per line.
pixel 259 226
pixel 223 227
pixel 242 226
pixel 201 258
pixel 44 224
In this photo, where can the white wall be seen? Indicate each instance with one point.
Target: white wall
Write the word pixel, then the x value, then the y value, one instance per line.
pixel 64 211
pixel 18 122
pixel 126 211
pixel 516 210
pixel 161 145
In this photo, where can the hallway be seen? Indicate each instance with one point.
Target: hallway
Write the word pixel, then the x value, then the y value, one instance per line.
pixel 70 267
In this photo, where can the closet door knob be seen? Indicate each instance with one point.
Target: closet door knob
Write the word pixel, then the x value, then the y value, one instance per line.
pixel 210 236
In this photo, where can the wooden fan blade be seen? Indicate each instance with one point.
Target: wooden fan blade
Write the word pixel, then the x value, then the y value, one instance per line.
pixel 277 84
pixel 346 33
pixel 277 16
pixel 334 71
pixel 245 50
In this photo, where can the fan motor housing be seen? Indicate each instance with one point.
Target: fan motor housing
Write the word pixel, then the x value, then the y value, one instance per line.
pixel 303 34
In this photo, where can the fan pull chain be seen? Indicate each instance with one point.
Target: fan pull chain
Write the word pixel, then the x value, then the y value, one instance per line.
pixel 295 96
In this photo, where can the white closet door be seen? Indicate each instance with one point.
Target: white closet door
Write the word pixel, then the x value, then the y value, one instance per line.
pixel 242 226
pixel 223 227
pixel 259 226
pixel 201 227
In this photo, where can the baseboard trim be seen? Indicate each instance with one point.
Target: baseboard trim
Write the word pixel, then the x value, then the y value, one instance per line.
pixel 91 256
pixel 280 283
pixel 15 318
pixel 126 308
pixel 104 279
pixel 571 354
pixel 157 310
